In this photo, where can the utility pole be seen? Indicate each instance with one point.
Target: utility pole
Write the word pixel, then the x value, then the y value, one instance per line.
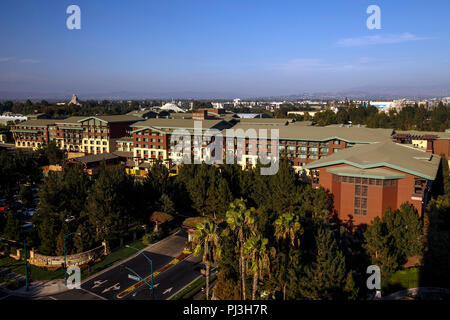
pixel 26 266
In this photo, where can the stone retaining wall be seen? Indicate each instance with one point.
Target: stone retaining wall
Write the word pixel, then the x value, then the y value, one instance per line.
pixel 43 261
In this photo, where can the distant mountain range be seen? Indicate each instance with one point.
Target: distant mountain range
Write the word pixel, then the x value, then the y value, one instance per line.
pixel 359 93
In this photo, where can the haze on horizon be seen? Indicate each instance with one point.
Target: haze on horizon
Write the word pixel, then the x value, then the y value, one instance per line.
pixel 248 48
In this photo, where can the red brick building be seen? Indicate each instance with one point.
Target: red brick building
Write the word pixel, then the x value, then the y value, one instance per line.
pixel 32 134
pixel 366 179
pixel 434 142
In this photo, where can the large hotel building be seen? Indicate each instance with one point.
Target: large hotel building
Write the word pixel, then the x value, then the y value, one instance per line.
pixel 365 169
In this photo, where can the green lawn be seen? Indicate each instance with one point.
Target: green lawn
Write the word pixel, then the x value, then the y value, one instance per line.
pixel 18 267
pixel 113 258
pixel 400 280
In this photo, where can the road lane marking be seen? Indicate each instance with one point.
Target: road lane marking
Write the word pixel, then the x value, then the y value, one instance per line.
pixel 181 257
pixel 114 287
pixel 94 294
pixel 98 283
pixel 167 291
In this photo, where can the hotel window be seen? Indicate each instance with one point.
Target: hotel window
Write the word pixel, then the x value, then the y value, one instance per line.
pixel 419 185
pixel 360 200
pixel 303 156
pixel 337 142
pixel 336 149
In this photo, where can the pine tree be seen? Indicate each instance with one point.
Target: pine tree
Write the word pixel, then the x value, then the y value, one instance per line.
pixel 351 289
pixel 381 247
pixel 86 240
pixel 111 204
pixel 166 204
pixel 13 229
pixel 325 279
pixel 60 244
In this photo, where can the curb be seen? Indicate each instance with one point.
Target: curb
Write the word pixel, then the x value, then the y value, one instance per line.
pixel 118 263
pixel 184 287
pixel 29 295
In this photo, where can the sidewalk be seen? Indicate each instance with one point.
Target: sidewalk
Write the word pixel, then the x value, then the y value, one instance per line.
pixel 38 289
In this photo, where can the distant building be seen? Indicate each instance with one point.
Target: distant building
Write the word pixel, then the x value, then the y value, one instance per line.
pixel 74 100
pixel 171 107
pixel 143 113
pixel 7 117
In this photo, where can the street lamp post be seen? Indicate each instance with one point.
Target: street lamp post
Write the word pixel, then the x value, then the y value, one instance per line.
pixel 65 256
pixel 26 266
pixel 151 269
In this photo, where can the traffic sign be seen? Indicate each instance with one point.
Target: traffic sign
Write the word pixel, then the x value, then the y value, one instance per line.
pixel 130 276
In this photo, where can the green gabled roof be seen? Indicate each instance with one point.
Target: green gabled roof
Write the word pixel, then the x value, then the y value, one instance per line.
pixel 415 133
pixel 375 173
pixel 70 120
pixel 384 154
pixel 146 128
pixel 322 134
pixel 36 123
pixel 178 124
pixel 113 119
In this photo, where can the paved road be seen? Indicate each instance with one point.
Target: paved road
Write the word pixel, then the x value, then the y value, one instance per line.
pixel 171 281
pixel 67 295
pixel 114 281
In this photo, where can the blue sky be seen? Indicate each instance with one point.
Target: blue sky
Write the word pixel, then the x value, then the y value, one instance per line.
pixel 242 47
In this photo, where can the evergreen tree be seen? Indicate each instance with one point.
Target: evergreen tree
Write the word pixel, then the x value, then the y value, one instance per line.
pixel 111 203
pixel 13 229
pixel 26 196
pixel 380 247
pixel 86 240
pixel 166 204
pixel 325 279
pixel 351 290
pixel 49 217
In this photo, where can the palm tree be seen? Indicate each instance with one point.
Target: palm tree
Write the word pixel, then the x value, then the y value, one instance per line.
pixel 241 221
pixel 288 229
pixel 207 243
pixel 258 257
